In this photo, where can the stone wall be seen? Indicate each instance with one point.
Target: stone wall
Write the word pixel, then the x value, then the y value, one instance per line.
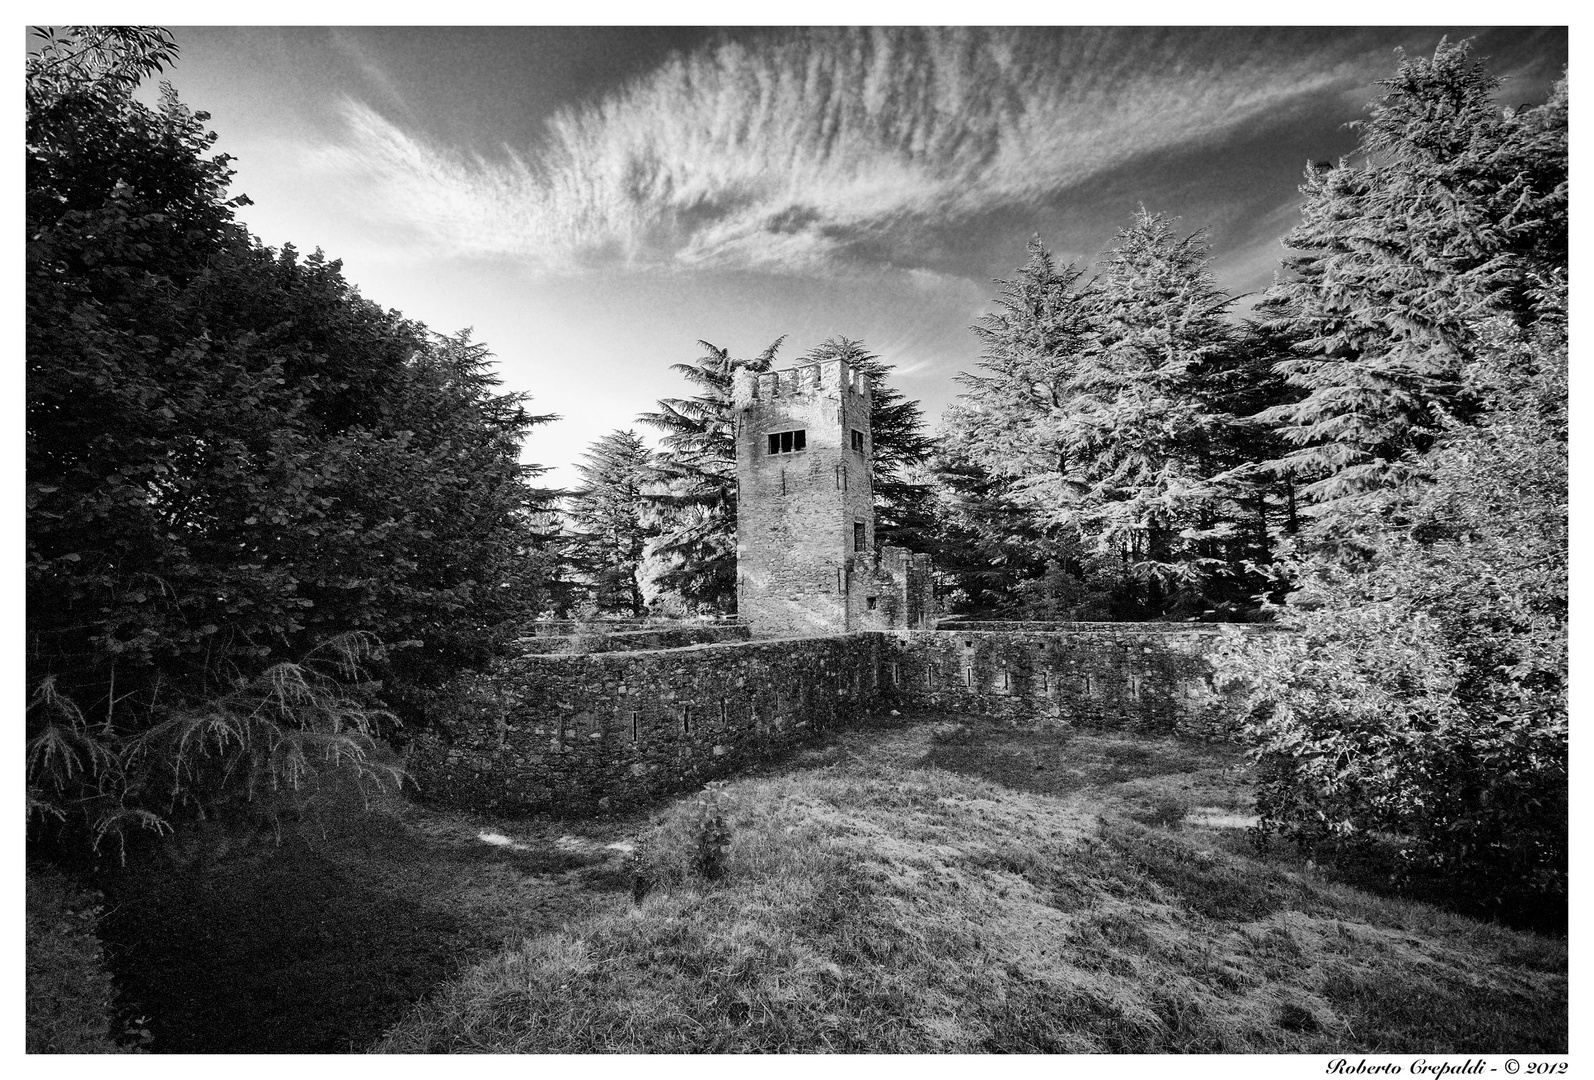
pixel 585 732
pixel 566 627
pixel 597 638
pixel 1150 677
pixel 1059 626
pixel 893 589
pixel 581 733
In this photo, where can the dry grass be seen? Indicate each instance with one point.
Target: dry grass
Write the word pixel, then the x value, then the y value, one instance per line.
pixel 975 889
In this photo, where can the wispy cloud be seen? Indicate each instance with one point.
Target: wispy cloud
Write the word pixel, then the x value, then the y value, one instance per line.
pixel 371 69
pixel 801 151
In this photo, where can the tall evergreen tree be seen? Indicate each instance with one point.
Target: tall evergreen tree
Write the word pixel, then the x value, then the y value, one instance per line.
pixel 1449 210
pixel 612 519
pixel 997 436
pixel 1422 697
pixel 697 473
pixel 1137 437
pixel 1102 412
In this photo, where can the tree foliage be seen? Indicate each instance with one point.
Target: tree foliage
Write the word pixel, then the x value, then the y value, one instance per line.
pixel 612 521
pixel 696 550
pixel 996 547
pixel 1103 415
pixel 1449 211
pixel 1423 694
pixel 234 463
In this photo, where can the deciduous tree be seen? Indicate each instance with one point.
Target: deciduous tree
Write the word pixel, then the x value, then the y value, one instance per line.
pixel 236 465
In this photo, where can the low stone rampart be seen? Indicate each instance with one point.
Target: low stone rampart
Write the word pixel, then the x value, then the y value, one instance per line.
pixel 578 733
pixel 1150 677
pixel 1062 626
pixel 581 733
pixel 592 640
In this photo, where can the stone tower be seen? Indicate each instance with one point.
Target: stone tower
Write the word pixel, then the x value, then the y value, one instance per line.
pixel 805 544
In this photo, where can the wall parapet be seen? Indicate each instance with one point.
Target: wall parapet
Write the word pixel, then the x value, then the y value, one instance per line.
pixel 954 624
pixel 584 732
pixel 596 638
pixel 1149 677
pixel 581 733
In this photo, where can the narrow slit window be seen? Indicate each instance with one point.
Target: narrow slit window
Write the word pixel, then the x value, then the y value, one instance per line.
pixel 857 440
pixel 788 442
pixel 857 538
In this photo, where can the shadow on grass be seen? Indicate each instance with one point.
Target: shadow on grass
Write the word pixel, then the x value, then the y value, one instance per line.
pixel 1377 868
pixel 1460 1016
pixel 1065 761
pixel 294 948
pixel 275 952
pixel 1152 776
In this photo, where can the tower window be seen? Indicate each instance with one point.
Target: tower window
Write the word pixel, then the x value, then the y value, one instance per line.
pixel 788 442
pixel 857 536
pixel 857 440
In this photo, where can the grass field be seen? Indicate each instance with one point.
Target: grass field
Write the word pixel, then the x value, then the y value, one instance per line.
pixel 937 886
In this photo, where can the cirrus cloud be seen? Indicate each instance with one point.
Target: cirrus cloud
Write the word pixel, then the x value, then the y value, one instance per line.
pixel 811 150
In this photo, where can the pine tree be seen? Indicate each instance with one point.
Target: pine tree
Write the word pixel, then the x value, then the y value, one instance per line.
pixel 1423 694
pixel 1132 422
pixel 697 473
pixel 1102 411
pixel 997 437
pixel 1451 209
pixel 1002 560
pixel 612 520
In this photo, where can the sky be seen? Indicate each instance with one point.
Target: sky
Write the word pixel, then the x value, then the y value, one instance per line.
pixel 593 202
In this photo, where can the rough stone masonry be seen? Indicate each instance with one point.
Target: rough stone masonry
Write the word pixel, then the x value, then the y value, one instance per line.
pixel 806 561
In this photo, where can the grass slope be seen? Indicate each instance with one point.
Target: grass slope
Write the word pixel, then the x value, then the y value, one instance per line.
pixel 951 888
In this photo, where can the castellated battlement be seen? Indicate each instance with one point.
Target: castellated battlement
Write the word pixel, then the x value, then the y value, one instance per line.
pixel 805 503
pixel 832 376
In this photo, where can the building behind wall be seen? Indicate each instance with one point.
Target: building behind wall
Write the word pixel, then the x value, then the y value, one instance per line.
pixel 806 561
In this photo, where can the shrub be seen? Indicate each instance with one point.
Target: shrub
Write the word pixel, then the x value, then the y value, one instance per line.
pixel 252 744
pixel 69 987
pixel 687 846
pixel 1424 691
